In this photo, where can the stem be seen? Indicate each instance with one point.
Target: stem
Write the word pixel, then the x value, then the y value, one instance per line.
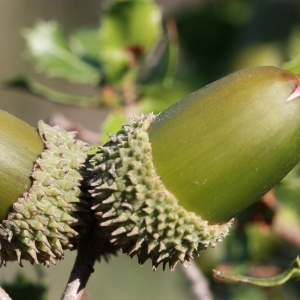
pixel 88 252
pixel 199 284
pixel 4 295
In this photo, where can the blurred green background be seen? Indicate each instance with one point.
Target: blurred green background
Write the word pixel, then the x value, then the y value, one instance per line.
pixel 215 37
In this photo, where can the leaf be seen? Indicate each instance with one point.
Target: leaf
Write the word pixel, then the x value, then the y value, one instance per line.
pixel 131 23
pixel 158 97
pixel 293 65
pixel 85 43
pixel 288 194
pixel 160 65
pixel 292 273
pixel 49 49
pixel 293 50
pixel 32 86
pixel 129 31
pixel 112 125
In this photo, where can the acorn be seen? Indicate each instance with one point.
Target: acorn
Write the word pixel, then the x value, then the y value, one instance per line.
pixel 41 199
pixel 167 186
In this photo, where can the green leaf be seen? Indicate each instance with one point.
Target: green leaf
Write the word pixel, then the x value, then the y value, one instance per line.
pixel 160 65
pixel 32 86
pixel 85 43
pixel 112 124
pixel 129 30
pixel 288 194
pixel 292 273
pixel 293 50
pixel 158 97
pixel 22 285
pixel 48 48
pixel 131 23
pixel 293 65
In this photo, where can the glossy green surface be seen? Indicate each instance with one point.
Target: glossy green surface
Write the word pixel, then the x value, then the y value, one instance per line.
pixel 221 148
pixel 20 146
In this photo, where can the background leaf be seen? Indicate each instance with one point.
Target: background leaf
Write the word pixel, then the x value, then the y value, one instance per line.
pixel 49 49
pixel 85 43
pixel 32 86
pixel 112 124
pixel 129 30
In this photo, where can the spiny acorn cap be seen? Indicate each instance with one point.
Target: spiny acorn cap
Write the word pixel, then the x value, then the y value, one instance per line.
pixel 40 223
pixel 143 217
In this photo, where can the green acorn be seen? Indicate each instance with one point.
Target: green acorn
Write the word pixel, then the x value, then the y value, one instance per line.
pixel 40 194
pixel 166 187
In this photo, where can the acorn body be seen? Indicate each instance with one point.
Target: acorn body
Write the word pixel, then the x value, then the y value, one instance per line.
pixel 239 136
pixel 166 186
pixel 20 146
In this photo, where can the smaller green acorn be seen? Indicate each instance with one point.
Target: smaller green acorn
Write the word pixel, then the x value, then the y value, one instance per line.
pixel 166 187
pixel 41 200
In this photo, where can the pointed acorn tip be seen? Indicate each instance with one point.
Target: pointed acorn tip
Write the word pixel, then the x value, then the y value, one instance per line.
pixel 296 93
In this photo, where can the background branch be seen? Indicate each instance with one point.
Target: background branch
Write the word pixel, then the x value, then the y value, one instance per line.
pixel 199 284
pixel 88 252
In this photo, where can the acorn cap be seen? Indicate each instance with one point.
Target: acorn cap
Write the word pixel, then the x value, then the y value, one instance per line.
pixel 144 217
pixel 166 187
pixel 41 222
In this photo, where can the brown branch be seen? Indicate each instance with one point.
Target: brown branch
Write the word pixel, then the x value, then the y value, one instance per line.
pixel 88 252
pixel 199 284
pixel 93 246
pixel 4 295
